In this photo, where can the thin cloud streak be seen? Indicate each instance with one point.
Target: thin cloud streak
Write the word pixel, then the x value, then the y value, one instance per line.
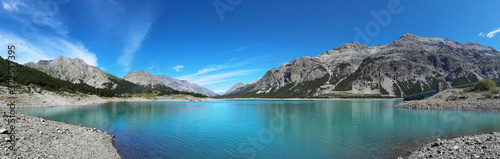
pixel 10 5
pixel 178 68
pixel 217 78
pixel 490 34
pixel 235 50
pixel 213 68
pixel 133 44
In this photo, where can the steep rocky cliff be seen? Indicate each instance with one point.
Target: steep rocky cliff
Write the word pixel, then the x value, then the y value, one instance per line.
pixel 78 71
pixel 409 65
pixel 73 70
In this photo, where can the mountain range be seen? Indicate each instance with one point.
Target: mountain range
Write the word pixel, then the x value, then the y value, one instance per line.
pixel 409 65
pixel 78 71
pixel 185 86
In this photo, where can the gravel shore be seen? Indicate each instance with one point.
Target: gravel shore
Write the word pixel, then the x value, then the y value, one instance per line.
pixel 39 138
pixel 491 105
pixel 30 98
pixel 475 146
pixel 456 99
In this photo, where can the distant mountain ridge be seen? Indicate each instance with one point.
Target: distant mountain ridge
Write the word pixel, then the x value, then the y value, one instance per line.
pixel 409 65
pixel 183 85
pixel 78 71
pixel 145 79
pixel 235 88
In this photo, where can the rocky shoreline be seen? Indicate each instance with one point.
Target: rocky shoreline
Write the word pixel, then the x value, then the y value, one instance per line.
pixel 39 138
pixel 456 99
pixel 443 105
pixel 30 98
pixel 473 146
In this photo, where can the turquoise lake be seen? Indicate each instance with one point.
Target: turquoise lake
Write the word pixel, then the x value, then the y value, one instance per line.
pixel 269 129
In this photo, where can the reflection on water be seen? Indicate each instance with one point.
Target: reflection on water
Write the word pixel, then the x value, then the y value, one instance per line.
pixel 268 129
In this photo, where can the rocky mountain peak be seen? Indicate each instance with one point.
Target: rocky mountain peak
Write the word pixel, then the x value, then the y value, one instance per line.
pixel 352 46
pixel 61 58
pixel 74 70
pixel 235 88
pixel 408 36
pixel 143 78
pixel 78 61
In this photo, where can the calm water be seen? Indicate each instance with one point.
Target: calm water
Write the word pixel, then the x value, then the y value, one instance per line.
pixel 268 129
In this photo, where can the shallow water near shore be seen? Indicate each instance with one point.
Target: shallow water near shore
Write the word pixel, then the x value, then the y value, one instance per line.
pixel 269 129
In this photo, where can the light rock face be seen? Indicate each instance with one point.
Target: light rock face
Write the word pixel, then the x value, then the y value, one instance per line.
pixel 185 86
pixel 73 70
pixel 409 65
pixel 235 88
pixel 143 78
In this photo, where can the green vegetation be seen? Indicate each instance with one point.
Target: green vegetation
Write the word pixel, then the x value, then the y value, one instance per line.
pixel 483 85
pixel 489 95
pixel 410 88
pixel 122 86
pixel 346 84
pixel 27 76
pixel 344 65
pixel 464 81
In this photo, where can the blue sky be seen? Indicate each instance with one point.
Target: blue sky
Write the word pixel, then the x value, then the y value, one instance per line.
pixel 219 43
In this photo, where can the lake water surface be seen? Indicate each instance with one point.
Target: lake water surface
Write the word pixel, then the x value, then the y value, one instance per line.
pixel 268 129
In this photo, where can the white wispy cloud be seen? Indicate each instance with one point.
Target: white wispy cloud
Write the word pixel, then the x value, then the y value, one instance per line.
pixel 235 50
pixel 10 5
pixel 46 48
pixel 222 77
pixel 51 38
pixel 34 14
pixel 212 68
pixel 134 42
pixel 130 23
pixel 178 68
pixel 491 34
pixel 151 67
